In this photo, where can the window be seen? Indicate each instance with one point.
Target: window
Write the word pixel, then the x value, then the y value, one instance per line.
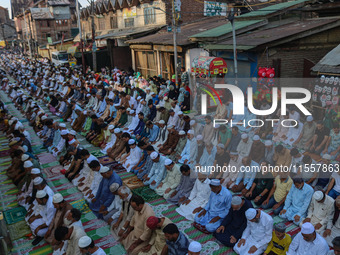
pixel 130 22
pixel 101 22
pixel 149 16
pixel 113 22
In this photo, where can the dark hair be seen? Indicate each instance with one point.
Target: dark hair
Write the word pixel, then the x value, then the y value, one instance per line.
pixel 171 229
pixel 235 128
pixel 84 152
pixel 141 143
pixel 306 159
pixel 137 199
pixel 297 180
pixel 91 245
pixel 60 233
pixel 336 241
pixel 94 164
pixel 141 113
pixel 148 123
pixel 294 152
pixel 279 148
pixel 184 168
pixel 126 135
pixel 76 214
pixel 17 153
pixel 150 148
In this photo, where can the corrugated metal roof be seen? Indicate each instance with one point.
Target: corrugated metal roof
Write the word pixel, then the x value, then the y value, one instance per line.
pixel 259 37
pixel 272 9
pixel 227 28
pixel 226 47
pixel 183 38
pixel 41 13
pixel 58 2
pixel 122 33
pixel 329 63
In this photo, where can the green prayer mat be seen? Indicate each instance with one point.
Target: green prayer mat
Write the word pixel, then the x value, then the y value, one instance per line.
pixel 146 193
pixel 81 205
pixel 18 230
pixel 15 215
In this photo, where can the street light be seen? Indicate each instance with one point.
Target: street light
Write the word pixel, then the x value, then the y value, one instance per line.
pixel 174 28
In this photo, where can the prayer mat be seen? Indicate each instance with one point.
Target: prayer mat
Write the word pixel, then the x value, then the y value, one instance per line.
pixel 124 175
pixel 146 193
pixel 97 153
pixel 4 153
pixel 55 163
pixel 53 171
pixel 81 205
pixel 37 149
pixel 117 167
pixel 133 182
pixel 106 160
pixel 15 215
pixel 45 158
pixel 18 230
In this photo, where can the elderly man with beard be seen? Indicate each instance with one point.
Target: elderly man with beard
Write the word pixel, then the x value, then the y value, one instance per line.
pixel 171 180
pixel 170 144
pixel 257 234
pixel 209 218
pixel 87 246
pixel 234 223
pixel 138 235
pixel 61 207
pixel 42 216
pixel 308 242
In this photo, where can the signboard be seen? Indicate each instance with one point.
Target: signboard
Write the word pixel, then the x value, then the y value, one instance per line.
pixel 209 65
pixel 215 9
pixel 178 5
pixel 129 12
pixel 49 40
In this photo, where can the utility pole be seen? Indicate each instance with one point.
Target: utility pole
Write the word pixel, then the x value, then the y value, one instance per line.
pixel 94 48
pixel 81 38
pixel 232 20
pixel 174 29
pixel 28 41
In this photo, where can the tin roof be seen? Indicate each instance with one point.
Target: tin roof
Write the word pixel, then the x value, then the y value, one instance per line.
pixel 41 13
pixel 329 63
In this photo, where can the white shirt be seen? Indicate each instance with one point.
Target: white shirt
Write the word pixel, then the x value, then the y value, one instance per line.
pixel 100 251
pixel 200 192
pixel 322 211
pixel 301 247
pixel 260 232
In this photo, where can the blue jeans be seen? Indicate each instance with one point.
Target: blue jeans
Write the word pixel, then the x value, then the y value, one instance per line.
pixel 333 194
pixel 270 204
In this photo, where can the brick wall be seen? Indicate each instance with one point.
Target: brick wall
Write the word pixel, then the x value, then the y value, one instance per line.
pixel 191 10
pixel 292 55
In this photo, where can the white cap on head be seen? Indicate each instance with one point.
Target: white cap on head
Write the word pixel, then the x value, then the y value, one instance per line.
pixel 104 169
pixel 161 122
pixel 35 171
pixel 268 143
pixel 180 113
pixel 327 156
pixel 24 157
pixel 37 180
pixel 170 126
pixel 114 186
pixel 182 132
pixel 236 200
pixel 139 98
pixel 154 155
pixel 192 122
pixel 84 242
pixel 215 182
pixel 117 130
pixel 40 194
pixel 256 138
pixel 191 132
pixel 57 198
pixel 132 141
pixel 221 145
pixel 168 162
pixel 64 132
pixel 72 132
pixel 251 213
pixel 195 247
pixel 244 136
pixel 310 118
pixel 132 111
pixel 63 125
pixel 44 117
pixel 199 137
pixel 111 127
pixel 307 228
pixel 318 195
pixel 28 163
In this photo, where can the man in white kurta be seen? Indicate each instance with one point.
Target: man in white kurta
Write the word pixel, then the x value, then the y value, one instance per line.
pixel 133 157
pixel 333 225
pixel 171 180
pixel 85 171
pixel 199 197
pixel 74 233
pixel 308 242
pixel 157 172
pixel 293 133
pixel 97 178
pixel 190 151
pixel 257 234
pixel 112 140
pixel 42 215
pixel 320 211
pixel 244 146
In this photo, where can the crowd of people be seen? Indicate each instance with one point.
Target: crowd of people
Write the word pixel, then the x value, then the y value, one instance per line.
pixel 146 126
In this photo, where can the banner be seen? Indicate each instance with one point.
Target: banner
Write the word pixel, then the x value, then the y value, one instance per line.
pixel 215 9
pixel 129 12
